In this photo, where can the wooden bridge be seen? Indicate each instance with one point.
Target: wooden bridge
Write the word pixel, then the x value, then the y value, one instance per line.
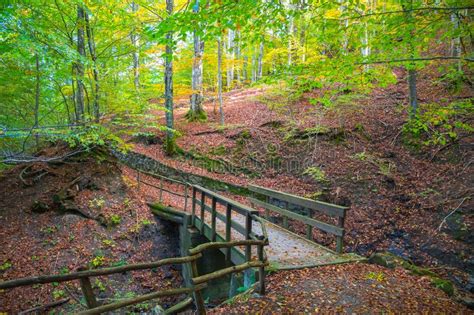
pixel 222 219
pixel 249 241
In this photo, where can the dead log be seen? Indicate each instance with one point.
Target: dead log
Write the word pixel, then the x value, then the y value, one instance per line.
pixel 45 307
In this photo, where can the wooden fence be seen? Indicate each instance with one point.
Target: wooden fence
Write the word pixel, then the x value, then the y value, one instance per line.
pixel 199 282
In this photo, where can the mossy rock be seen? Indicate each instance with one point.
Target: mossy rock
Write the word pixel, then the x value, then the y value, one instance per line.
pixel 445 285
pixel 390 260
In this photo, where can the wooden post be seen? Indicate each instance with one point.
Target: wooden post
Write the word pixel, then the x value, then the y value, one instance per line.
pixel 199 301
pixel 185 197
pixel 309 228
pixel 213 220
pixel 248 230
pixel 285 218
pixel 161 188
pixel 88 292
pixel 285 222
pixel 261 271
pixel 203 199
pixel 193 207
pixel 228 230
pixel 339 239
pixel 267 212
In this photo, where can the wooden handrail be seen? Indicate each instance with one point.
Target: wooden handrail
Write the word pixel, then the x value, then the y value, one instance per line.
pixel 199 282
pixel 96 272
pixel 142 298
pixel 327 208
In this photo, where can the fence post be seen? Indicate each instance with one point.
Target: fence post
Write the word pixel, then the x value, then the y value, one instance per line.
pixel 339 239
pixel 87 290
pixel 161 188
pixel 193 208
pixel 228 231
pixel 309 228
pixel 285 218
pixel 248 230
pixel 267 212
pixel 203 199
pixel 213 220
pixel 185 197
pixel 201 309
pixel 261 271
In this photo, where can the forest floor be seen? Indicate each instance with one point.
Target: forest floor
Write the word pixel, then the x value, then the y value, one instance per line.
pixel 398 203
pixel 57 217
pixel 398 198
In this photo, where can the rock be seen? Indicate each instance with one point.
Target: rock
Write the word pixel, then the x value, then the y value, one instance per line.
pixel 467 300
pixel 40 207
pixel 383 259
pixel 70 219
pixel 158 310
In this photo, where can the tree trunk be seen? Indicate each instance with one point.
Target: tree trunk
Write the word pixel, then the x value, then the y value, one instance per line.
pixel 456 41
pixel 37 91
pixel 230 59
pixel 219 78
pixel 170 144
pixel 91 44
pixel 79 66
pixel 37 96
pixel 260 62
pixel 412 91
pixel 196 112
pixel 136 54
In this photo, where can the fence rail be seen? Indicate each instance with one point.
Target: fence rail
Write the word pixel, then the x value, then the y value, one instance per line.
pixel 199 282
pixel 310 206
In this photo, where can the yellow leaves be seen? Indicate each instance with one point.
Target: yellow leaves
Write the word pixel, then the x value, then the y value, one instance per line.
pixel 332 14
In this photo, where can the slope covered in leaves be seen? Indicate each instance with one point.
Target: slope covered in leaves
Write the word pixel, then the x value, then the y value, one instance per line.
pixel 352 153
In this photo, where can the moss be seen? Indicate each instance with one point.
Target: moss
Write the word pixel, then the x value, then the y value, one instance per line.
pixel 170 146
pixel 219 150
pixel 390 260
pixel 199 116
pixel 445 285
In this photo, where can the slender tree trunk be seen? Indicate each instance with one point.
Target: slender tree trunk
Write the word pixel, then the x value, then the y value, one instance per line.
pixel 260 61
pixel 245 68
pixel 136 53
pixel 456 41
pixel 219 78
pixel 290 41
pixel 170 145
pixel 412 93
pixel 196 111
pixel 254 65
pixel 37 97
pixel 230 59
pixel 79 65
pixel 92 52
pixel 237 58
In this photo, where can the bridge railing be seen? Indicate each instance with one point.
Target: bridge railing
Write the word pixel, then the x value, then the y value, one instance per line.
pixel 186 187
pixel 307 205
pixel 199 282
pixel 199 208
pixel 198 198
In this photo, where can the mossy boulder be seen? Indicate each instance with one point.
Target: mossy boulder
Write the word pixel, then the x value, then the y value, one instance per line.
pixel 390 260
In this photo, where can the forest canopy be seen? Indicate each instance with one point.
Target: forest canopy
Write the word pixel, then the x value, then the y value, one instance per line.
pixel 79 62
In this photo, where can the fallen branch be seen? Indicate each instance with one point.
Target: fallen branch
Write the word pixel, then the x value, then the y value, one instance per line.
pixel 13 160
pixel 45 307
pixel 446 217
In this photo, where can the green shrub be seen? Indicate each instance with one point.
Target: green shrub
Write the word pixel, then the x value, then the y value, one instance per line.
pixel 316 173
pixel 435 124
